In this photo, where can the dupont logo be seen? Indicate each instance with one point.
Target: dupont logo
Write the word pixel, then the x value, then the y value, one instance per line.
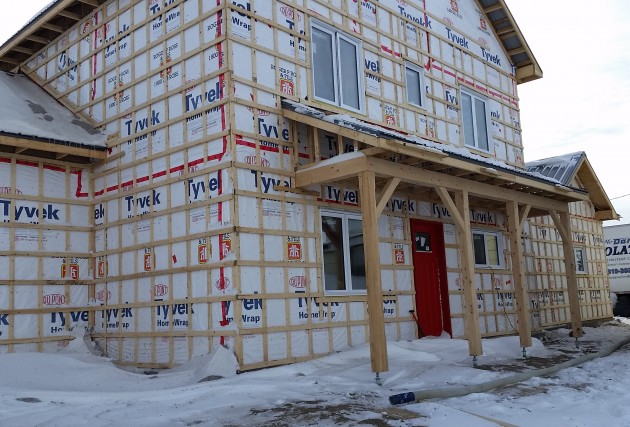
pixel 448 21
pixel 103 295
pixel 298 282
pixel 289 12
pixel 222 284
pixel 190 89
pixel 253 160
pixel 7 190
pixel 160 290
pixel 483 24
pixel 403 3
pixel 252 110
pixel 54 299
pixel 483 42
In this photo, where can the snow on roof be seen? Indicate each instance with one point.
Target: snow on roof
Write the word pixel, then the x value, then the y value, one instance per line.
pixel 350 122
pixel 562 168
pixel 27 110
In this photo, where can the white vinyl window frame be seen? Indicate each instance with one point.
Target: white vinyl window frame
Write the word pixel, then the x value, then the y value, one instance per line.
pixel 485 259
pixel 579 255
pixel 350 287
pixel 475 116
pixel 337 41
pixel 415 95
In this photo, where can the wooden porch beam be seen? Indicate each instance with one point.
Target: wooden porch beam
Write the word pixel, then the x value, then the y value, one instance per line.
pixel 428 178
pixel 523 215
pixel 515 222
pixel 563 223
pixel 339 167
pixel 376 320
pixel 450 204
pixel 386 194
pixel 469 309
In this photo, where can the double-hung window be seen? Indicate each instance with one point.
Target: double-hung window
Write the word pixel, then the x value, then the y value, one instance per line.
pixel 342 251
pixel 475 121
pixel 488 249
pixel 414 79
pixel 336 63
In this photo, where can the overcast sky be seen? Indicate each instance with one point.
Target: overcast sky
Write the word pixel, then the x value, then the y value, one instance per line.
pixel 579 105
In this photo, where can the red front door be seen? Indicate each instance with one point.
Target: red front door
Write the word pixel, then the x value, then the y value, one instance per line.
pixel 429 266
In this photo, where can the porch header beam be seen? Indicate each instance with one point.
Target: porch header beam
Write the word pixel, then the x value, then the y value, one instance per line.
pixel 435 179
pixel 351 164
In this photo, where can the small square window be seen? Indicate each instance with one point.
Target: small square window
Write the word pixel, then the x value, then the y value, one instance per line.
pixel 422 242
pixel 488 249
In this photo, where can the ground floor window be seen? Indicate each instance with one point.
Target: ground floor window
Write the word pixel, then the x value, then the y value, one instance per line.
pixel 342 251
pixel 488 247
pixel 580 260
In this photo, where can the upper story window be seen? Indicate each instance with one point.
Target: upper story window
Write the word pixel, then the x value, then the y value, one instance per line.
pixel 414 79
pixel 475 121
pixel 336 63
pixel 342 247
pixel 488 248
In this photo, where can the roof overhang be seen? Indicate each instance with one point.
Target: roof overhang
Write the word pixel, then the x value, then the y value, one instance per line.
pixel 51 149
pixel 604 209
pixel 512 39
pixel 575 169
pixel 61 15
pixel 51 22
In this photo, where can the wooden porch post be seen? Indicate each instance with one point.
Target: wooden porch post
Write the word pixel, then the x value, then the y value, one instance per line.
pixel 563 224
pixel 376 320
pixel 515 224
pixel 461 214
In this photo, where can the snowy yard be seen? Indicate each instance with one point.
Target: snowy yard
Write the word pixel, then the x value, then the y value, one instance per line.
pixel 76 388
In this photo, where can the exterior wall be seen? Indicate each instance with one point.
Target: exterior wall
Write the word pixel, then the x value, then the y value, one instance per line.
pixel 547 283
pixel 196 243
pixel 45 253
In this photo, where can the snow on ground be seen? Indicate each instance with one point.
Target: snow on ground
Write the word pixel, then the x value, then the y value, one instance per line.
pixel 76 388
